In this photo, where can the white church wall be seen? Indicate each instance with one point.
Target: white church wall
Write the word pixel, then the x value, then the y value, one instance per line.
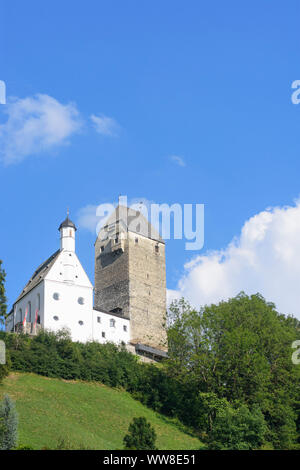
pixel 67 268
pixel 69 306
pixel 111 326
pixel 35 299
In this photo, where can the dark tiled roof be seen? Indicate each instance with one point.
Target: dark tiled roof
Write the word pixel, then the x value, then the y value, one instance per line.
pixel 39 275
pixel 67 223
pixel 149 349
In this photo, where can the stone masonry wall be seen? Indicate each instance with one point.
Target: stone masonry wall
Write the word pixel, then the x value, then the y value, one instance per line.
pixel 135 281
pixel 147 288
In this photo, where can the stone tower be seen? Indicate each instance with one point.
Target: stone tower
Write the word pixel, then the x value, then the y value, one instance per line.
pixel 130 275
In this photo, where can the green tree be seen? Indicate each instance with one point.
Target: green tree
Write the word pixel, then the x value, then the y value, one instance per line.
pixel 2 295
pixel 141 435
pixel 238 429
pixel 9 417
pixel 239 350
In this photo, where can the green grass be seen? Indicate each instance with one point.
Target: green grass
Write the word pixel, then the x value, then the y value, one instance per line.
pixel 86 414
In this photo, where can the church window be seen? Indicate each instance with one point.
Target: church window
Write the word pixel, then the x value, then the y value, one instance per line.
pixel 80 300
pixel 136 240
pixel 38 302
pixel 124 327
pixel 117 240
pixel 55 318
pixel 56 296
pixel 29 312
pixel 99 319
pixel 103 334
pixel 80 322
pixel 156 249
pixel 112 323
pixel 102 249
pixel 19 316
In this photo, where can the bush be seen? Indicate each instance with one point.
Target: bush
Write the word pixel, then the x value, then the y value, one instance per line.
pixel 9 420
pixel 141 435
pixel 238 429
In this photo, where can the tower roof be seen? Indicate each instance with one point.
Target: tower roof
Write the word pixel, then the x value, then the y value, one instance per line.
pixel 67 223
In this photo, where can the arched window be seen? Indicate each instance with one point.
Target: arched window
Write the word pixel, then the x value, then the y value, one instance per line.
pixel 29 312
pixel 19 316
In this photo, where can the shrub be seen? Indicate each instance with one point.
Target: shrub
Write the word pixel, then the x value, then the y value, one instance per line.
pixel 141 435
pixel 9 418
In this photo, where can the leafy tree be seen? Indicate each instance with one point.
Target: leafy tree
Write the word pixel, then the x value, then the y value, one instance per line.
pixel 238 429
pixel 9 417
pixel 2 295
pixel 141 435
pixel 239 350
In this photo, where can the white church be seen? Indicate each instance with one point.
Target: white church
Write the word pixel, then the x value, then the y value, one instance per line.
pixel 60 295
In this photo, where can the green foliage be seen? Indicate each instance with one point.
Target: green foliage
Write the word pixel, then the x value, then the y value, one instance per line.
pixel 141 435
pixel 23 447
pixel 239 429
pixel 8 415
pixel 239 350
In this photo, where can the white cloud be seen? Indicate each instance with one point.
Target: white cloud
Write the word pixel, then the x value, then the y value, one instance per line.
pixel 105 125
pixel 87 218
pixel 36 124
pixel 265 258
pixel 178 160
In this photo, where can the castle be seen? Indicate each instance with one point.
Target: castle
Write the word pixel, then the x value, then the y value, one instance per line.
pixel 128 301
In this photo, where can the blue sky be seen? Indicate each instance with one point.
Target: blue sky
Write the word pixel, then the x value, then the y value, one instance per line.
pixel 209 82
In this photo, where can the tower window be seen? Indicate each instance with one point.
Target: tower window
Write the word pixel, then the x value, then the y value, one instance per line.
pixel 80 322
pixel 80 300
pixel 112 323
pixel 98 319
pixel 103 334
pixel 156 249
pixel 136 240
pixel 124 327
pixel 102 249
pixel 55 318
pixel 56 296
pixel 116 310
pixel 117 240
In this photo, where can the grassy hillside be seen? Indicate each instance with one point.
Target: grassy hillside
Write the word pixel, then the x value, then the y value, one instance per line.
pixel 87 414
